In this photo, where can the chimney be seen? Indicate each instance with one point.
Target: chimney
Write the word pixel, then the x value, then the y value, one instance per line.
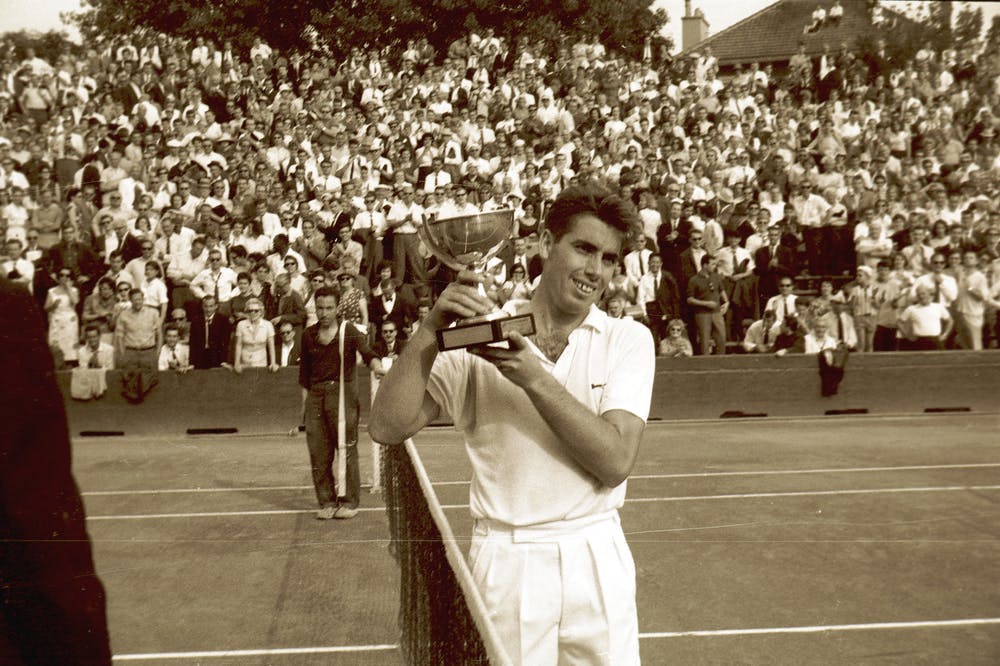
pixel 694 27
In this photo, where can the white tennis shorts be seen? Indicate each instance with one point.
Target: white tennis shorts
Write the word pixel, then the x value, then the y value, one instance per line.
pixel 560 593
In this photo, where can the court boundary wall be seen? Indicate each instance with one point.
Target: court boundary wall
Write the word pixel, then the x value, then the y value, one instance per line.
pixel 219 401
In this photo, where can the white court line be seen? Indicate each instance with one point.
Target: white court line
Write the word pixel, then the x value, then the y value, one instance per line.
pixel 635 500
pixel 252 653
pixel 876 626
pixel 808 493
pixel 220 514
pixel 169 491
pixel 697 475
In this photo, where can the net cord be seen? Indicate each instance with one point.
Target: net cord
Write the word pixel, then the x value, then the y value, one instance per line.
pixel 480 615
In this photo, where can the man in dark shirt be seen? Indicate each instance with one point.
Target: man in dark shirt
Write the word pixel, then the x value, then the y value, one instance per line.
pixel 324 384
pixel 709 302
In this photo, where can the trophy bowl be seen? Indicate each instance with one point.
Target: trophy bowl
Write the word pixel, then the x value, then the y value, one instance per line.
pixel 468 242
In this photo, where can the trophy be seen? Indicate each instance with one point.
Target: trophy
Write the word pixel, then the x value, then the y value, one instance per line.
pixel 469 242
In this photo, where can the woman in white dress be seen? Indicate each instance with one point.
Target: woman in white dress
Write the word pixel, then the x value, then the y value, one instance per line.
pixel 255 340
pixel 64 326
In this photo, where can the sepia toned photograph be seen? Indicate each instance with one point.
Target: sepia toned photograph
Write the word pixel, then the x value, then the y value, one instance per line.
pixel 440 333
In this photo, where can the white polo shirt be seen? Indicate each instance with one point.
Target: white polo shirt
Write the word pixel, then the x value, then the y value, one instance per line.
pixel 522 473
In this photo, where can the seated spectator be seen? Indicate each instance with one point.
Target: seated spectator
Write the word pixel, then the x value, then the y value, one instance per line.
pixel 675 343
pixel 178 317
pixel 14 266
pixel 615 307
pixel 761 335
pixel 791 337
pixel 926 324
pixel 95 353
pixel 785 304
pixel 288 303
pixel 254 340
pixel 518 287
pixel 174 354
pixel 287 348
pixel 818 338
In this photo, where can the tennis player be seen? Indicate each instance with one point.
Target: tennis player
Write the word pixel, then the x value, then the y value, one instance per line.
pixel 552 426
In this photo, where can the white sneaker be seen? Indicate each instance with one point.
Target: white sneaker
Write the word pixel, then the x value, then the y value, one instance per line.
pixel 345 512
pixel 326 513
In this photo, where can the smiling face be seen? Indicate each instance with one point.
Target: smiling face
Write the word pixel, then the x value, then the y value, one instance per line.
pixel 580 264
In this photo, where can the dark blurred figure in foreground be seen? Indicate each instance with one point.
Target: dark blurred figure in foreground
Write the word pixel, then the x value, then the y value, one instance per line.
pixel 52 605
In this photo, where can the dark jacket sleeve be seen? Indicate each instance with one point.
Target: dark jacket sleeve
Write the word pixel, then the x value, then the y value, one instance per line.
pixel 52 604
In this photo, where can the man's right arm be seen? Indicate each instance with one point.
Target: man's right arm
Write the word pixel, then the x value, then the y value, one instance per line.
pixel 402 405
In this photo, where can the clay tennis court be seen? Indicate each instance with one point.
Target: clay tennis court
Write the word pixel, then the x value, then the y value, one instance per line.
pixel 757 541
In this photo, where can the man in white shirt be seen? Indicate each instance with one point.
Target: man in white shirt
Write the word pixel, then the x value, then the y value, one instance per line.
pixel 637 261
pixel 217 280
pixel 459 207
pixel 784 304
pixel 404 217
pixel 173 239
pixel 95 354
pixel 184 268
pixel 926 324
pixel 942 287
pixel 174 354
pixel 551 443
pixel 761 334
pixel 15 267
pixel 438 177
pixel 970 304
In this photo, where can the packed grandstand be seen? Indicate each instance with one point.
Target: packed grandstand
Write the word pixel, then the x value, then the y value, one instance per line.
pixel 846 199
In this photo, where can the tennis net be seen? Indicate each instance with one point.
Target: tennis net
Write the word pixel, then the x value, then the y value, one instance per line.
pixel 441 614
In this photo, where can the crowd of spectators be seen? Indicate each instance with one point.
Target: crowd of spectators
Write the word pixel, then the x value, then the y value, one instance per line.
pixel 846 199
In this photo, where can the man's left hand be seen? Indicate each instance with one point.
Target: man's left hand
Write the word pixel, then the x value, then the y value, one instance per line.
pixel 518 363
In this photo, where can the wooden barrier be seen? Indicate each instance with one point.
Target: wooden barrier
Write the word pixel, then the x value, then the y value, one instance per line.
pixel 258 401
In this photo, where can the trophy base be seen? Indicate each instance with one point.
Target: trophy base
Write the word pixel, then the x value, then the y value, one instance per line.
pixel 484 330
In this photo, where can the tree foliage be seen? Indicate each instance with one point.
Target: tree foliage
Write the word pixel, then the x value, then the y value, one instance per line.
pixel 343 24
pixel 968 25
pixel 46 45
pixel 993 36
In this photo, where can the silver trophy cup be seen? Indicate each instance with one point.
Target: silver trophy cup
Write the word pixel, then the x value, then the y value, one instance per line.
pixel 468 242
